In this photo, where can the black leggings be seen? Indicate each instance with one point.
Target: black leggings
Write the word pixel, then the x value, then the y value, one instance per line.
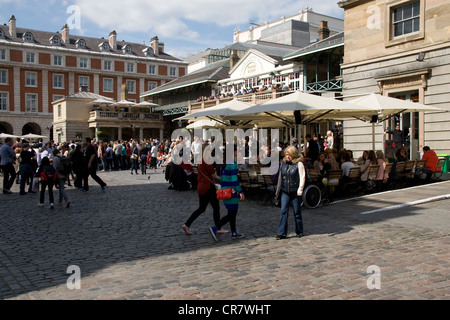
pixel 208 197
pixel 231 218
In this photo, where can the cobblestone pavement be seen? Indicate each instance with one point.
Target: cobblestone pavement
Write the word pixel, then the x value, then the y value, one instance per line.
pixel 128 243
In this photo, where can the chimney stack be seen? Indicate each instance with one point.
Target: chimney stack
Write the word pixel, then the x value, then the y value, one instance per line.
pixel 65 33
pixel 113 40
pixel 233 59
pixel 154 44
pixel 12 27
pixel 324 32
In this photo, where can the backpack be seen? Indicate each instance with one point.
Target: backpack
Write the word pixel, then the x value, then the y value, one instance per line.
pixel 48 173
pixel 65 166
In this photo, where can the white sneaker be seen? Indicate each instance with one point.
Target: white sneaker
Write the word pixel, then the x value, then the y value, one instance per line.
pixel 52 205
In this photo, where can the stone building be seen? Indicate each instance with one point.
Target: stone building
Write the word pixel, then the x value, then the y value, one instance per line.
pixel 400 49
pixel 39 67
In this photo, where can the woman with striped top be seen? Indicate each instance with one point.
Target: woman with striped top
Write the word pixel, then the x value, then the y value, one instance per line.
pixel 229 179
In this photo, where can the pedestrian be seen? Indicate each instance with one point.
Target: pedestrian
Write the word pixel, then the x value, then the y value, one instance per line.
pixel 77 164
pixel 7 162
pixel 134 157
pixel 291 181
pixel 27 157
pixel 47 174
pixel 58 164
pixel 143 155
pixel 206 189
pixel 154 156
pixel 229 179
pixel 90 165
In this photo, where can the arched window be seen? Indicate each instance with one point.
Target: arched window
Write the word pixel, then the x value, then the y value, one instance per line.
pixel 28 37
pixel 104 46
pixel 55 41
pixel 128 49
pixel 2 34
pixel 81 44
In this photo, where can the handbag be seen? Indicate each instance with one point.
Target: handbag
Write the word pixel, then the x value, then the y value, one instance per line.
pixel 35 185
pixel 223 194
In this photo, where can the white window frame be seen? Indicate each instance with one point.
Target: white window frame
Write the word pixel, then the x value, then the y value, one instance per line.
pixel 83 66
pixel 82 84
pixel 4 101
pixel 28 37
pixel 105 86
pixel 132 88
pixel 57 97
pixel 30 57
pixel 55 41
pixel 58 81
pixel 152 85
pixel 152 69
pixel 31 102
pixel 3 54
pixel 173 71
pixel 106 63
pixel 5 77
pixel 132 65
pixel 81 44
pixel 33 80
pixel 59 59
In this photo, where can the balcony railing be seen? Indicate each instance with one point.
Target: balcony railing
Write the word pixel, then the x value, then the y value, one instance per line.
pixel 115 115
pixel 329 85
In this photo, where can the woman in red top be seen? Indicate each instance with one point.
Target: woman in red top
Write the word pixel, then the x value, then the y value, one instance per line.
pixel 206 190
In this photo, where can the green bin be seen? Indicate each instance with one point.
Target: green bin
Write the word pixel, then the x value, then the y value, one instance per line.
pixel 445 168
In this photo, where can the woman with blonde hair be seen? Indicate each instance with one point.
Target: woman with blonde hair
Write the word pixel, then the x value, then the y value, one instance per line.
pixel 381 161
pixel 291 181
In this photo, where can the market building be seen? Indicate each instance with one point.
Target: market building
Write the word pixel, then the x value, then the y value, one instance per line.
pixel 39 67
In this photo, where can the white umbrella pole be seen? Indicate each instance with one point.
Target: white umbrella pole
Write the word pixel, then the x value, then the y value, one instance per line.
pixel 373 136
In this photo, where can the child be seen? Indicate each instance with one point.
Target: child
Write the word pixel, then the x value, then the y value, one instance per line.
pixel 48 175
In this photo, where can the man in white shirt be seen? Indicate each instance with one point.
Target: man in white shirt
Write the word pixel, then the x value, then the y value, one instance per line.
pixel 196 149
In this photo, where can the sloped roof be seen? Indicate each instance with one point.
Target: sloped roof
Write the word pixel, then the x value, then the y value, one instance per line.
pixel 92 44
pixel 212 73
pixel 330 42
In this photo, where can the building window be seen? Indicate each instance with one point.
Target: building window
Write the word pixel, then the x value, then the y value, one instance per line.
pixel 152 69
pixel 2 34
pixel 83 63
pixel 30 79
pixel 151 85
pixel 30 57
pixel 57 61
pixel 31 102
pixel 59 111
pixel 131 86
pixel 406 19
pixel 128 49
pixel 107 65
pixel 28 37
pixel 4 77
pixel 57 97
pixel 55 41
pixel 58 81
pixel 4 101
pixel 130 67
pixel 2 54
pixel 173 71
pixel 105 47
pixel 108 85
pixel 81 44
pixel 84 82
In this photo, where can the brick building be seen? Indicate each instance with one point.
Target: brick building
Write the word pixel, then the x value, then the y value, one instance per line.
pixel 39 67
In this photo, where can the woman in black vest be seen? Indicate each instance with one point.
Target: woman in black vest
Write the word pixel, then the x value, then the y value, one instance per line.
pixel 291 181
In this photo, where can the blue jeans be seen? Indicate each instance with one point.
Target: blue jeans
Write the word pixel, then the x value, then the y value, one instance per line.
pixel 26 173
pixel 286 200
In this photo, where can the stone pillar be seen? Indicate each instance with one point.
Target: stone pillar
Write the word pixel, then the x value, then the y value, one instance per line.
pixel 119 134
pixel 161 134
pixel 141 134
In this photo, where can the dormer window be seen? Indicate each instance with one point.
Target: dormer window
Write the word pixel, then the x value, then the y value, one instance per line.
pixel 2 34
pixel 104 46
pixel 128 49
pixel 55 41
pixel 28 37
pixel 81 44
pixel 148 52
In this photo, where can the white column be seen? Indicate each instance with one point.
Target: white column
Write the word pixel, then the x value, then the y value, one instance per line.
pixel 71 83
pixel 96 84
pixel 119 133
pixel 161 134
pixel 141 134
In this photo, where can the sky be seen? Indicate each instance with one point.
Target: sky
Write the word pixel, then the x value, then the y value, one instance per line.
pixel 185 26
